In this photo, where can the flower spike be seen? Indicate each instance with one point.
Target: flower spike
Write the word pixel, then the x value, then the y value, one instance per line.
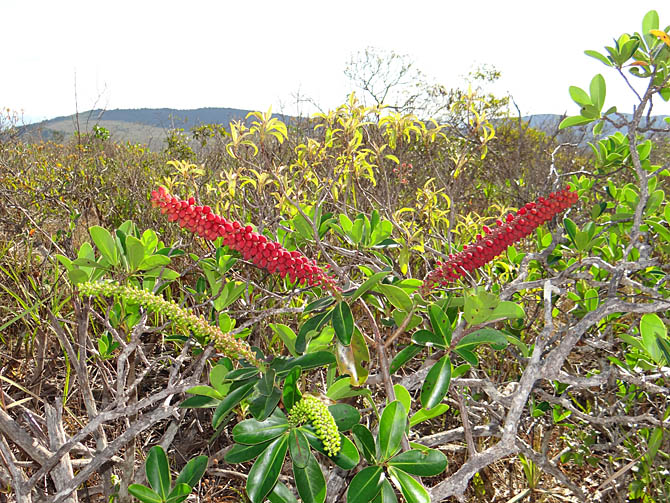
pixel 496 240
pixel 269 255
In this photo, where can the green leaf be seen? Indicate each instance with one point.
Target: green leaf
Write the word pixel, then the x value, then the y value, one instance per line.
pixel 230 401
pixel 649 22
pixel 424 463
pixel 598 91
pixel 144 494
pixel 479 306
pixel 262 406
pixel 345 416
pixel 342 389
pixel 281 494
pixel 651 329
pixel 265 471
pixel 365 485
pixel 496 338
pixel 410 488
pixel 241 453
pixel 403 396
pixel 348 456
pixel 298 447
pixel 436 385
pixel 105 243
pixel 309 480
pixel 387 494
pixel 199 402
pixel 405 355
pixel 571 229
pixel 428 339
pixel 343 323
pixel 290 392
pixel 179 493
pixel 396 296
pixel 391 429
pixel 425 415
pixel 599 57
pixel 153 261
pixel 365 442
pixel 319 304
pixel 368 284
pixel 579 96
pixel 252 431
pixel 575 120
pixel 440 323
pixel 507 309
pixel 158 471
pixel 311 360
pixel 134 251
pixel 205 391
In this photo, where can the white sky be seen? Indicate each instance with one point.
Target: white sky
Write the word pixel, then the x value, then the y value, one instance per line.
pixel 253 54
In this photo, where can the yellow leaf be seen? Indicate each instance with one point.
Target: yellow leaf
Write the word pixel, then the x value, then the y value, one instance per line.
pixel 661 35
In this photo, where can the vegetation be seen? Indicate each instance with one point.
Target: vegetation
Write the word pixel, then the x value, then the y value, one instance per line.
pixel 367 305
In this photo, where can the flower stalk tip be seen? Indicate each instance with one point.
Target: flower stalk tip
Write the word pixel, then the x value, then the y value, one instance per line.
pixel 495 240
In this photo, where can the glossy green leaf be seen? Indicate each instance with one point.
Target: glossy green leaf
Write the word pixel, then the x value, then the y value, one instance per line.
pixel 405 355
pixel 199 402
pixel 403 396
pixel 571 229
pixel 193 471
pixel 342 389
pixel 144 494
pixel 350 359
pixel 287 335
pixel 424 415
pixel 496 338
pixel 576 120
pixel 179 493
pixel 265 471
pixel 391 429
pixel 281 494
pixel 241 453
pixel 105 243
pixel 650 22
pixel 440 323
pixel 579 96
pixel 345 416
pixel 309 480
pixel 343 322
pixel 395 296
pixel 436 385
pixel 651 329
pixel 262 406
pixel 424 463
pixel 158 471
pixel 428 339
pixel 365 442
pixel 309 361
pixel 599 57
pixel 242 374
pixel 387 494
pixel 134 252
pixel 369 284
pixel 319 304
pixel 365 485
pixel 507 309
pixel 348 456
pixel 298 447
pixel 598 91
pixel 410 488
pixel 230 401
pixel 290 391
pixel 205 391
pixel 479 306
pixel 251 431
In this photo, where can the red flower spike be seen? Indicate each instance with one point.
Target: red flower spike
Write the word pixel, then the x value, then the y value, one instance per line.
pixel 251 245
pixel 495 241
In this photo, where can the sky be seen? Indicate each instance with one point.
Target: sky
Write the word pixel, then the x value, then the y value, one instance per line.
pixel 68 55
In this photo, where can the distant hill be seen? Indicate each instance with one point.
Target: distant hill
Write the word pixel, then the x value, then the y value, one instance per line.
pixel 149 126
pixel 143 125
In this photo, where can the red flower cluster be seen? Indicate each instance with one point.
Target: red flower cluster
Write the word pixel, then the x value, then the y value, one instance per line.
pixel 496 240
pixel 253 246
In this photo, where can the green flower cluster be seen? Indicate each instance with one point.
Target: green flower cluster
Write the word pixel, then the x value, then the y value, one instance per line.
pixel 225 343
pixel 311 409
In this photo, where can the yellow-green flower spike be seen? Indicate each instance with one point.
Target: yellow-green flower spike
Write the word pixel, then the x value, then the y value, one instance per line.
pixel 311 409
pixel 225 343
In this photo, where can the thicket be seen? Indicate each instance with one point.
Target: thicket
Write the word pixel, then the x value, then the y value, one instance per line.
pixel 359 306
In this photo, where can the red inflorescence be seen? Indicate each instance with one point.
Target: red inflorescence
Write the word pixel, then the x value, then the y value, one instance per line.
pixel 254 247
pixel 496 240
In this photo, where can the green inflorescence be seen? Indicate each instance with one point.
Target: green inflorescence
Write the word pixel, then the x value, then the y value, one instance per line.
pixel 311 409
pixel 225 343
